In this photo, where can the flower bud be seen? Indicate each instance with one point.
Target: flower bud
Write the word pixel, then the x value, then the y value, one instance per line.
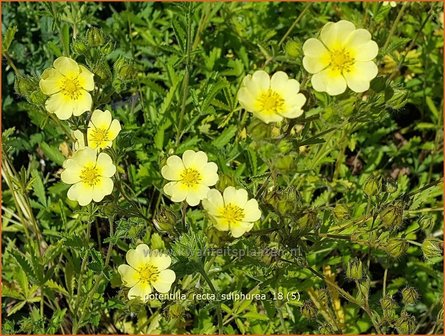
pixel 292 48
pixel 165 219
pixel 409 295
pixel 432 248
pixel 354 270
pixel 124 69
pixel 341 211
pixel 396 247
pixel 387 302
pixel 37 97
pixel 307 222
pixel 95 37
pixel 373 185
pixel 156 242
pixel 24 85
pixel 427 223
pixel 326 329
pixel 80 47
pixel 176 311
pixel 392 216
pixel 102 71
pixel 405 324
pixel 285 146
pixel 309 310
pixel 391 186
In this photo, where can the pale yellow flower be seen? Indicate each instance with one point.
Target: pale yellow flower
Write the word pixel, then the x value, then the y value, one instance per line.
pixel 102 130
pixel 90 175
pixel 341 57
pixel 271 99
pixel 146 269
pixel 390 3
pixel 191 177
pixel 67 84
pixel 79 143
pixel 232 211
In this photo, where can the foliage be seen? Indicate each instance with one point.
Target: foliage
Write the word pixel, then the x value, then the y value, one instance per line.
pixel 351 191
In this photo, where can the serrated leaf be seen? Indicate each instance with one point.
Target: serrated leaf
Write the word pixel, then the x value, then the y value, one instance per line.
pixel 38 187
pixel 9 37
pixel 225 137
pixel 51 284
pixel 53 154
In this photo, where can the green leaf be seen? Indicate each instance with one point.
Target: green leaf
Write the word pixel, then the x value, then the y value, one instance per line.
pixel 38 187
pixel 51 284
pixel 225 137
pixel 53 154
pixel 9 37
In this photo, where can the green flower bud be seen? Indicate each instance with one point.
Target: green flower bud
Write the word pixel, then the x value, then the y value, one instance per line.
pixel 80 47
pixel 432 248
pixel 405 324
pixel 308 310
pixel 124 69
pixel 391 186
pixel 396 247
pixel 388 303
pixel 285 146
pixel 326 329
pixel 323 295
pixel 165 219
pixel 427 223
pixel 37 97
pixel 392 216
pixel 409 295
pixel 307 222
pixel 373 185
pixel 102 71
pixel 363 289
pixel 25 85
pixel 354 270
pixel 293 48
pixel 95 37
pixel 341 211
pixel 176 311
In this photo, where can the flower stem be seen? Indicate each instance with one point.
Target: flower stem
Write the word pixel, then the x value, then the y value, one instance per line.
pixel 306 7
pixel 212 288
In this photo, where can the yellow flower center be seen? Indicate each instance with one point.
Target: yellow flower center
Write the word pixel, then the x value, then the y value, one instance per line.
pixel 100 136
pixel 90 175
pixel 71 87
pixel 341 60
pixel 148 273
pixel 191 177
pixel 270 102
pixel 232 213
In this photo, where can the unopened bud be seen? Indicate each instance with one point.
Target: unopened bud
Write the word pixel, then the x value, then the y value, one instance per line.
pixel 391 186
pixel 102 71
pixel 293 48
pixel 405 324
pixel 124 69
pixel 95 37
pixel 354 269
pixel 285 146
pixel 373 185
pixel 309 310
pixel 176 311
pixel 37 97
pixel 392 216
pixel 326 329
pixel 25 85
pixel 80 47
pixel 387 302
pixel 432 248
pixel 307 222
pixel 409 295
pixel 426 223
pixel 165 219
pixel 363 289
pixel 396 247
pixel 341 211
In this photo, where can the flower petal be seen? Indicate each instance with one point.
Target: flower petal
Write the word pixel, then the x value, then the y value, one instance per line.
pixel 194 196
pixel 176 191
pixel 81 192
pixel 51 81
pixel 209 174
pixel 85 78
pixel 141 290
pixel 240 228
pixel 164 281
pixel 160 260
pixel 213 202
pixel 100 119
pixel 252 212
pixel 129 275
pixel 194 159
pixel 102 188
pixel 329 81
pixel 66 66
pixel 334 35
pixel 105 164
pixel 138 257
pixel 361 74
